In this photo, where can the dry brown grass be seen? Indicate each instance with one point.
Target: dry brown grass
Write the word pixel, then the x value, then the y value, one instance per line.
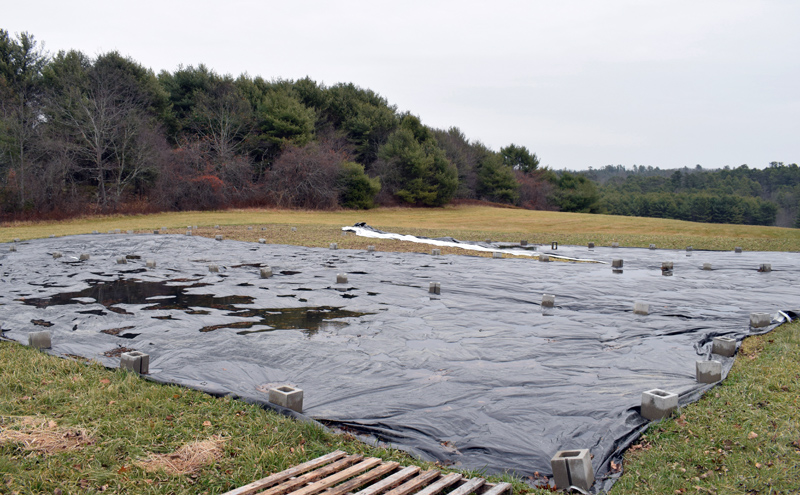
pixel 41 435
pixel 186 460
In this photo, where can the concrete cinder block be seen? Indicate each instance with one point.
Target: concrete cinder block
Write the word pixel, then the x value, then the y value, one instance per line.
pixel 344 233
pixel 760 320
pixel 497 255
pixel 723 346
pixel 689 249
pixel 95 232
pixel 57 254
pixel 122 260
pixel 39 340
pixel 614 244
pixel 707 266
pixel 218 237
pixel 130 232
pixel 523 242
pixel 84 257
pixel 213 268
pixel 435 288
pixel 216 227
pixel 52 236
pixel 12 249
pixel 765 267
pixel 262 241
pixel 249 227
pixel 117 231
pixel 436 252
pixel 554 245
pixel 658 404
pixel 591 245
pixel 616 263
pixel 189 232
pixel 157 232
pixel 341 278
pixel 288 397
pixel 548 300
pixel 16 239
pixel 151 263
pixel 573 468
pixel 266 272
pixel 294 229
pixel 135 361
pixel 652 246
pixel 263 229
pixel 667 266
pixel 544 257
pixel 641 308
pixel 371 249
pixel 708 371
pixel 334 245
pixel 737 249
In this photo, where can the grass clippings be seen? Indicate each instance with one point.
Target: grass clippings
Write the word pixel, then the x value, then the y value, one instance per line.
pixel 188 459
pixel 41 435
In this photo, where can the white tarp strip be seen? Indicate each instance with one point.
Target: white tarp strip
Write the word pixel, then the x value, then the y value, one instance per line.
pixel 364 232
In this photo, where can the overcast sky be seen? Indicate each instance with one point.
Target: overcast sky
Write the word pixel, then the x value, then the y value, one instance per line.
pixel 581 83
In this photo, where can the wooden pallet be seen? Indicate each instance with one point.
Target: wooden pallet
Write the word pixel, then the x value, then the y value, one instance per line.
pixel 340 474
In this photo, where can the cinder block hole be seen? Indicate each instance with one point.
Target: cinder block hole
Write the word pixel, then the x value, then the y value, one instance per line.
pixel 286 389
pixel 659 393
pixel 569 453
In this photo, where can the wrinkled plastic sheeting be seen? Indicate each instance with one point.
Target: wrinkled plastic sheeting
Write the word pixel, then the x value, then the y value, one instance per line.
pixel 476 376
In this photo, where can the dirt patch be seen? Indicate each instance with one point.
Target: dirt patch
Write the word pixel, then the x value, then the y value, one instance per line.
pixel 42 435
pixel 187 459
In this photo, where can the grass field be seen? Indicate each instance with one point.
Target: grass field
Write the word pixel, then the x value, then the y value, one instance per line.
pixel 462 222
pixel 71 427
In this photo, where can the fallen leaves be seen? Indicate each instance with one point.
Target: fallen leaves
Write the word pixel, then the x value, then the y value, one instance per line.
pixel 752 435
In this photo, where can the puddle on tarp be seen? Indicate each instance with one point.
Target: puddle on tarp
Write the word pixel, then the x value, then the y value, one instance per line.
pixel 309 320
pixel 160 296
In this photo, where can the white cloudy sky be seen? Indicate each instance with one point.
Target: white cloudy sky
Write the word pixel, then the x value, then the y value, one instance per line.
pixel 582 83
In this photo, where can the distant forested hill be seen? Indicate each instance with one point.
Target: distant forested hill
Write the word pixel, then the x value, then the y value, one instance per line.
pixel 741 195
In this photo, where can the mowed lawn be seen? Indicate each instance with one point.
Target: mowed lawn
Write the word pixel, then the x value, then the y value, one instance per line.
pixel 108 431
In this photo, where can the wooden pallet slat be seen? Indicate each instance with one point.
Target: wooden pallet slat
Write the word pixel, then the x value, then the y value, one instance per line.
pixel 499 489
pixel 331 480
pixel 470 486
pixel 284 475
pixel 441 484
pixel 391 481
pixel 415 483
pixel 293 483
pixel 363 479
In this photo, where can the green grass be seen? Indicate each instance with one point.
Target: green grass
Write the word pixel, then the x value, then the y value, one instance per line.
pixel 708 449
pixel 741 438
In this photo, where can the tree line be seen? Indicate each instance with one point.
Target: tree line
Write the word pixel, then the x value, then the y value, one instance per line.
pixel 103 134
pixel 745 195
pixel 106 134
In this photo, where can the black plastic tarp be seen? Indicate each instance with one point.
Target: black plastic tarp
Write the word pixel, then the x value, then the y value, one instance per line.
pixel 477 376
